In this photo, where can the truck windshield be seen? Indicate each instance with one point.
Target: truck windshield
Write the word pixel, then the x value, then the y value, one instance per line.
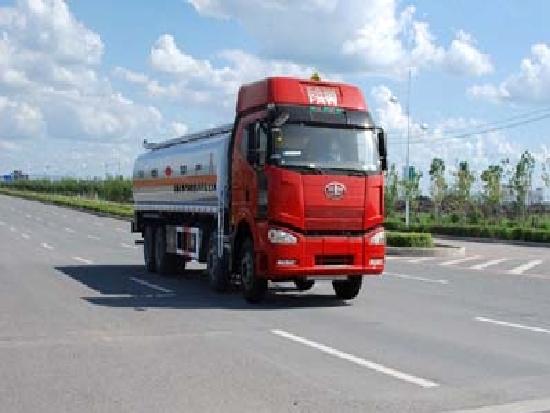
pixel 326 147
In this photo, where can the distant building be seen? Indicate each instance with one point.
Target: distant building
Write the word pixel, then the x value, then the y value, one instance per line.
pixel 15 176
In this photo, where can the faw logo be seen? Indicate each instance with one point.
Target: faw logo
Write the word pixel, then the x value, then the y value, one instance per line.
pixel 335 190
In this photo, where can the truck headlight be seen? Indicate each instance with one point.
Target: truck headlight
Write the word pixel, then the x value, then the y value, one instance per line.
pixel 379 238
pixel 278 236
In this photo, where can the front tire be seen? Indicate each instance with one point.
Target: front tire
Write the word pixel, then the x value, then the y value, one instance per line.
pixel 254 288
pixel 217 274
pixel 149 248
pixel 347 289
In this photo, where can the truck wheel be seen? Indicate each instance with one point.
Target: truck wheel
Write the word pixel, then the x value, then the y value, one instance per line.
pixel 254 288
pixel 149 248
pixel 304 285
pixel 217 274
pixel 165 263
pixel 347 289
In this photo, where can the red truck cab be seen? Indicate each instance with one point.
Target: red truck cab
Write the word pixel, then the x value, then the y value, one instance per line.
pixel 306 184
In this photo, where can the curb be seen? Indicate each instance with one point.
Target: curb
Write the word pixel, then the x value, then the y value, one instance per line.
pixel 493 241
pixel 440 250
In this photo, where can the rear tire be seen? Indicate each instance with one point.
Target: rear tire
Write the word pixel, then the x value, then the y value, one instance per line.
pixel 149 248
pixel 254 288
pixel 304 285
pixel 217 274
pixel 348 289
pixel 166 264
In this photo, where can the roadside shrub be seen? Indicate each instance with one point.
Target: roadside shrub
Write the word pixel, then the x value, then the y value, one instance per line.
pixel 409 239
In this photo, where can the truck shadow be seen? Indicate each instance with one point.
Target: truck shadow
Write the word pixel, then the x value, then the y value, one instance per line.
pixel 125 286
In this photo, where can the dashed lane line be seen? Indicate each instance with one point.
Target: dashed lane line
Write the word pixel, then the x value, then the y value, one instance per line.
pixel 94 238
pixel 513 325
pixel 83 260
pixel 46 246
pixel 358 360
pixel 460 260
pixel 69 230
pixel 490 263
pixel 25 236
pixel 124 245
pixel 525 267
pixel 416 278
pixel 151 285
pixel 13 229
pixel 2 223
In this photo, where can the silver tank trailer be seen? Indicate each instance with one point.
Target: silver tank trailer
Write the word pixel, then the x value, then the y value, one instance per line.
pixel 187 174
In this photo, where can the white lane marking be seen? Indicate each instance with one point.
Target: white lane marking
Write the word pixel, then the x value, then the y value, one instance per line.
pixel 526 406
pixel 13 229
pixel 487 264
pixel 25 236
pixel 38 219
pixel 394 257
pixel 421 259
pixel 151 285
pixel 514 325
pixel 46 246
pixel 29 216
pixel 415 278
pixel 70 230
pixel 2 223
pixel 525 267
pixel 94 237
pixel 357 360
pixel 83 260
pixel 124 245
pixel 459 260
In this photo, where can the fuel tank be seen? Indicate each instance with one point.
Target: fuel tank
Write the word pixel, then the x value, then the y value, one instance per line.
pixel 187 174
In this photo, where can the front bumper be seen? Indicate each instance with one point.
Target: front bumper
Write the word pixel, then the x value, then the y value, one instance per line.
pixel 323 257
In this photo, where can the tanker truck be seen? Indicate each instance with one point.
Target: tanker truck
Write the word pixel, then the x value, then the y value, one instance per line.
pixel 291 191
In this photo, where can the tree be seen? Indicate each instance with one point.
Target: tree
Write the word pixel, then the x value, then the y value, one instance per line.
pixel 411 188
pixel 464 181
pixel 438 184
pixel 522 178
pixel 391 192
pixel 492 191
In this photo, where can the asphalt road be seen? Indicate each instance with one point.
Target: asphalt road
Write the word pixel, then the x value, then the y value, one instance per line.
pixel 84 328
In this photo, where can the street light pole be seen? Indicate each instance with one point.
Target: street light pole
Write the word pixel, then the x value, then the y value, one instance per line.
pixel 407 159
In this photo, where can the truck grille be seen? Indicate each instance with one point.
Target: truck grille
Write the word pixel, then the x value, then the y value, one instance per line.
pixel 334 260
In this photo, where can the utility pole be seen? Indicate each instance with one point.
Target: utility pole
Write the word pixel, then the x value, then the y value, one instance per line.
pixel 407 159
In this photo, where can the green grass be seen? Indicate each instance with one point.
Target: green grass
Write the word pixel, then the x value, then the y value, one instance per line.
pixel 409 239
pixel 121 210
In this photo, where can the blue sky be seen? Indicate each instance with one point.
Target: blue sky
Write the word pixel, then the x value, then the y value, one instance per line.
pixel 82 83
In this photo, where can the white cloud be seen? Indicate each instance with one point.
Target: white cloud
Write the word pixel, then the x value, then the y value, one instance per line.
pixel 200 83
pixel 344 36
pixel 19 120
pixel 52 93
pixel 530 85
pixel 463 57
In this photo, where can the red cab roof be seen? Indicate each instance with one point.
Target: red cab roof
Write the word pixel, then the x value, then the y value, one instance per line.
pixel 293 91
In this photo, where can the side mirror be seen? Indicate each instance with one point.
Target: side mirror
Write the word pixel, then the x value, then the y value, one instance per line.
pixel 383 149
pixel 257 145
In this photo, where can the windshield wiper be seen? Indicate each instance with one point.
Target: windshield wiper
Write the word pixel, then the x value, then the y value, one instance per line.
pixel 351 171
pixel 308 168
